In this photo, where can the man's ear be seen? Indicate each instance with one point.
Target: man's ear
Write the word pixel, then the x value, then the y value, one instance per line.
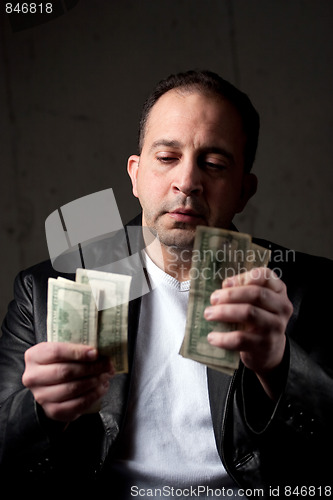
pixel 249 188
pixel 132 169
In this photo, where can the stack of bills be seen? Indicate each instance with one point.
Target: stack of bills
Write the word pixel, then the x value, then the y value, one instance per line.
pixel 217 255
pixel 91 310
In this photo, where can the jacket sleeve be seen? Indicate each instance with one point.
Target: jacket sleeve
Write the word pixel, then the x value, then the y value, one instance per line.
pixel 306 403
pixel 288 438
pixel 26 443
pixel 20 431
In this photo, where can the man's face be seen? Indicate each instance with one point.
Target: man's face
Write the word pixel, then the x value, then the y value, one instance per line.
pixel 191 168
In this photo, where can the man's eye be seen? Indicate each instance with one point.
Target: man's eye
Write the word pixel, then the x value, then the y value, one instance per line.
pixel 215 166
pixel 165 159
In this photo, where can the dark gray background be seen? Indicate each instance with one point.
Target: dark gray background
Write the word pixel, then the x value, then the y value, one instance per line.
pixel 72 90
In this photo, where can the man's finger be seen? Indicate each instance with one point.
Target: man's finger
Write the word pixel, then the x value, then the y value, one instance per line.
pixel 70 410
pixel 57 352
pixel 261 276
pixel 246 314
pixel 71 390
pixel 58 373
pixel 251 294
pixel 234 341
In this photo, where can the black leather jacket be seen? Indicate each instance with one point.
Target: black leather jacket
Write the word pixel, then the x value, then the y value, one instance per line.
pixel 261 444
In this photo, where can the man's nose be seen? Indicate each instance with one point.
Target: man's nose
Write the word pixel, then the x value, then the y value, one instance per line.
pixel 188 178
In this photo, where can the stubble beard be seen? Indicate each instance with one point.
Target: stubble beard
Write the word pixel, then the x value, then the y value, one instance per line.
pixel 176 245
pixel 175 234
pixel 177 238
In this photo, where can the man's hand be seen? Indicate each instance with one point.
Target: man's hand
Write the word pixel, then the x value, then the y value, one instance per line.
pixel 66 379
pixel 258 301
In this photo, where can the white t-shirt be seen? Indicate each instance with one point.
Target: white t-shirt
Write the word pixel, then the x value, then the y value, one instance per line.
pixel 168 439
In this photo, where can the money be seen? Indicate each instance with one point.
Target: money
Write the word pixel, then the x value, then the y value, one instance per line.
pixel 93 310
pixel 111 293
pixel 217 254
pixel 72 314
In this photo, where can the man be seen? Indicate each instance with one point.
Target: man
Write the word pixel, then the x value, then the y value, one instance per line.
pixel 163 426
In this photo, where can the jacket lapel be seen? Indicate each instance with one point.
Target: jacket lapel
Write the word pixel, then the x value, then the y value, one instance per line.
pixel 218 387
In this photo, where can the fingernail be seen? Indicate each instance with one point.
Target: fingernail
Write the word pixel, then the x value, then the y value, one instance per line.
pixel 92 354
pixel 208 312
pixel 255 273
pixel 228 282
pixel 210 337
pixel 214 298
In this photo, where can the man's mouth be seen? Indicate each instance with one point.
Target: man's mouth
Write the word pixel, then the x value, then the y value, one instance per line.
pixel 185 215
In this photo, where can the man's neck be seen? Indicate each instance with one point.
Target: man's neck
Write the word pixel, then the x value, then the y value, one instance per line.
pixel 174 261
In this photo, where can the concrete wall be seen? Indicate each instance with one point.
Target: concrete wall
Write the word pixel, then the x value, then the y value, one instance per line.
pixel 71 91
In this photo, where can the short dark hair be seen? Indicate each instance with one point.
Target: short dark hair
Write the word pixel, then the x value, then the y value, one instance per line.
pixel 210 83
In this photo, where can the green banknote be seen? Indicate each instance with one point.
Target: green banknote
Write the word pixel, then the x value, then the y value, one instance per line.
pixel 93 310
pixel 217 254
pixel 72 313
pixel 111 293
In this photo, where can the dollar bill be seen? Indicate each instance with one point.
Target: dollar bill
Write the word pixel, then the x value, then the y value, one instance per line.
pixel 258 256
pixel 111 293
pixel 217 255
pixel 93 310
pixel 72 314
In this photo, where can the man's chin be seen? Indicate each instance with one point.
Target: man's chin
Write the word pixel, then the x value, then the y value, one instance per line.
pixel 179 237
